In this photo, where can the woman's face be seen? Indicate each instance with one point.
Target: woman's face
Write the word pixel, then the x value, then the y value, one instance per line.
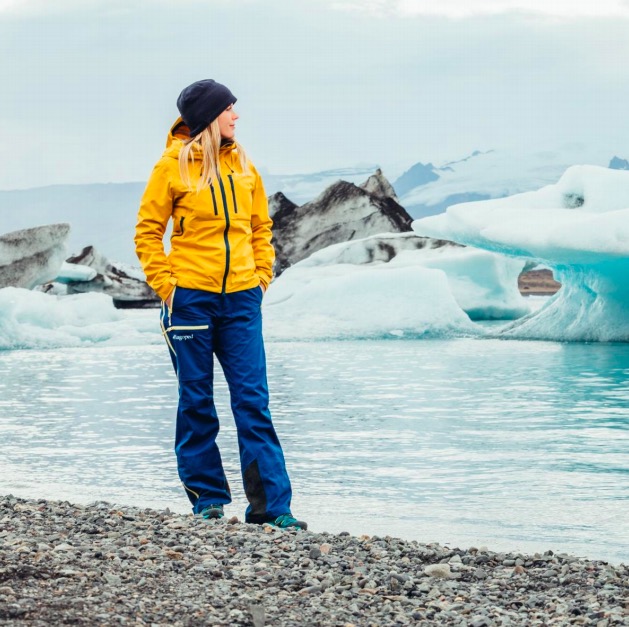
pixel 227 122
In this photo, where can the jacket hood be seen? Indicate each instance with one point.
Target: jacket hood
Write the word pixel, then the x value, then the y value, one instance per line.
pixel 179 132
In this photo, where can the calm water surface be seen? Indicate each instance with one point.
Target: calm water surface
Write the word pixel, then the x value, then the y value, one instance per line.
pixel 514 445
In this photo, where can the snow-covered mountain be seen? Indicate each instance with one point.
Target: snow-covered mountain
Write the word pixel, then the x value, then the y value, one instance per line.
pixel 426 189
pixel 301 188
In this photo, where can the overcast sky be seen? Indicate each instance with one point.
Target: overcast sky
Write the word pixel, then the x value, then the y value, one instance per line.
pixel 89 86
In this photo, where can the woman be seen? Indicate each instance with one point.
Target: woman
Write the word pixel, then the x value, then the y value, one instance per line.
pixel 212 283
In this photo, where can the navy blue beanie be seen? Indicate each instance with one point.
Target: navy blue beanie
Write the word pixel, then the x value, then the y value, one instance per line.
pixel 202 102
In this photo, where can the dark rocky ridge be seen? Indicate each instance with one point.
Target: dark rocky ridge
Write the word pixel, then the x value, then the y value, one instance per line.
pixel 127 288
pixel 343 212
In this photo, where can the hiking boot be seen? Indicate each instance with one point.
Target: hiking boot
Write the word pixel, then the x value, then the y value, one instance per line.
pixel 212 511
pixel 288 521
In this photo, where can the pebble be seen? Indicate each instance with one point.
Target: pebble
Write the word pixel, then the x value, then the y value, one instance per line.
pixel 441 571
pixel 112 565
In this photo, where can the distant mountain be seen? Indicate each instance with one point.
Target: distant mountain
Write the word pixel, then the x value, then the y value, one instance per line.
pixel 417 176
pixel 301 188
pixel 102 215
pixel 428 190
pixel 618 164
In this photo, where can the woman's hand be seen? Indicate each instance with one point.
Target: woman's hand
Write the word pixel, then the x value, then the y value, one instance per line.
pixel 169 300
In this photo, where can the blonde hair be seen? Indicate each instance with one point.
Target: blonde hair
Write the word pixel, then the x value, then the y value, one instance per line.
pixel 209 141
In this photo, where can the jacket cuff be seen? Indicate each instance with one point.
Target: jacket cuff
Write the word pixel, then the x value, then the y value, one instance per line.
pixel 264 282
pixel 166 288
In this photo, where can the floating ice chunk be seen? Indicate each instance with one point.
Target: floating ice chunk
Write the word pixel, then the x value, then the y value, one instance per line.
pixel 393 284
pixel 485 285
pixel 363 301
pixel 579 228
pixel 30 319
pixel 355 302
pixel 70 272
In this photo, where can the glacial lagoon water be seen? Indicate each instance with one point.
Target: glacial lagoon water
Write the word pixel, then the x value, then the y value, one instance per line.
pixel 512 445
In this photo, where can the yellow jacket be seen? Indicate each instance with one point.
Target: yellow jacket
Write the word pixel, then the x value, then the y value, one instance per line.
pixel 221 238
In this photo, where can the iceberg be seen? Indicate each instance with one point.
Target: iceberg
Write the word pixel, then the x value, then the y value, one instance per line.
pixel 342 212
pixel 71 272
pixel 95 273
pixel 34 320
pixel 392 285
pixel 32 256
pixel 578 227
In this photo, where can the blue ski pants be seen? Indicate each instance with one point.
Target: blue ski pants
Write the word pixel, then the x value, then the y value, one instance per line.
pixel 197 326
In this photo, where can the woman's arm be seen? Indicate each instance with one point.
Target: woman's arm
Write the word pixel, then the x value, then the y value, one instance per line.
pixel 156 208
pixel 261 224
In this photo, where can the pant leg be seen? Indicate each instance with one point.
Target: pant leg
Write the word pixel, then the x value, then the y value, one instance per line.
pixel 240 351
pixel 189 333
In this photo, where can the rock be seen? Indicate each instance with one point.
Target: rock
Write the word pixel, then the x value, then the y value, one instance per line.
pixel 548 574
pixel 311 590
pixel 239 575
pixel 112 580
pixel 257 615
pixel 439 571
pixel 378 185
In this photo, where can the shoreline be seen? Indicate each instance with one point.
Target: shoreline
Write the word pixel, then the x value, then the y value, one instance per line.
pixel 105 565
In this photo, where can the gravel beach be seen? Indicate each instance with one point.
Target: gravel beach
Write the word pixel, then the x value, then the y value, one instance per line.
pixel 109 565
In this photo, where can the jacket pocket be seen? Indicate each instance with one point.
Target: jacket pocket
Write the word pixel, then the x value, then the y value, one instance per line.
pixel 180 219
pixel 171 305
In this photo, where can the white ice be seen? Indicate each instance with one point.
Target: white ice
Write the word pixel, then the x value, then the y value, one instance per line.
pixel 579 227
pixel 341 291
pixel 377 287
pixel 347 301
pixel 74 272
pixel 30 319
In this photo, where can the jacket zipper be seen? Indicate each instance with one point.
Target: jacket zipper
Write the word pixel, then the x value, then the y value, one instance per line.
pixel 231 182
pixel 214 200
pixel 170 307
pixel 225 233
